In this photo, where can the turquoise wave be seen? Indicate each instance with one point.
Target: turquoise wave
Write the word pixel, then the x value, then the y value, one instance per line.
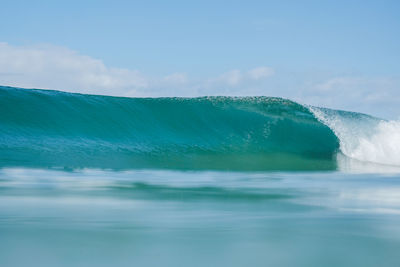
pixel 43 128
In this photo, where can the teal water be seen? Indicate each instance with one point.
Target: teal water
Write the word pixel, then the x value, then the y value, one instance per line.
pixel 174 218
pixel 212 181
pixel 55 129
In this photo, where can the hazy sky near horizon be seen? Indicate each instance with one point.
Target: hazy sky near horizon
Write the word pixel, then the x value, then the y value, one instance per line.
pixel 339 54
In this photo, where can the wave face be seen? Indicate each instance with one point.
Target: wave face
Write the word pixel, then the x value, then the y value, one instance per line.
pixel 41 128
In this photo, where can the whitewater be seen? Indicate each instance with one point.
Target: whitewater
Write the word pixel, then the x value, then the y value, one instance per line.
pixel 363 138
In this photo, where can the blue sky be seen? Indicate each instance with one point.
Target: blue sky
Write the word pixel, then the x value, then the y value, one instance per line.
pixel 310 51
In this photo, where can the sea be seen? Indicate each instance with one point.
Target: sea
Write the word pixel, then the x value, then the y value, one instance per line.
pixel 90 180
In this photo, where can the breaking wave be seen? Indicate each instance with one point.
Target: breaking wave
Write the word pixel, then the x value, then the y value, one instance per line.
pixel 52 129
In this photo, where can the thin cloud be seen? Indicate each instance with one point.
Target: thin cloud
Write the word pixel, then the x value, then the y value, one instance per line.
pixel 260 73
pixel 374 95
pixel 53 67
pixel 176 78
pixel 236 77
pixel 232 78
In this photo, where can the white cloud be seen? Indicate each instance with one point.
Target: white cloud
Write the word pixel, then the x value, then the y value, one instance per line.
pixel 235 77
pixel 260 73
pixel 176 78
pixel 232 78
pixel 53 67
pixel 378 96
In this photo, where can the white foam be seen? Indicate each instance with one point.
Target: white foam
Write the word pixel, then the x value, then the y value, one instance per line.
pixel 362 137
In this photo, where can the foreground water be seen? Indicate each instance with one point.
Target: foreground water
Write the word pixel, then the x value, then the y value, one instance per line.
pixel 198 218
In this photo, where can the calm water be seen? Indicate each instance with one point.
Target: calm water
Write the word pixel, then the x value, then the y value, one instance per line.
pixel 173 218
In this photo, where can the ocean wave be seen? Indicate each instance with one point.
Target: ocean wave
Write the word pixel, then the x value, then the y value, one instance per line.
pixel 43 128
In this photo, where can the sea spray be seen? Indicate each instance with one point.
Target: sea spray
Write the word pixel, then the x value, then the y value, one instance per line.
pixel 362 137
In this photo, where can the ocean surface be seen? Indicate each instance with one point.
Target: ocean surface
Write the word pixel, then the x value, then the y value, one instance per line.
pixel 91 180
